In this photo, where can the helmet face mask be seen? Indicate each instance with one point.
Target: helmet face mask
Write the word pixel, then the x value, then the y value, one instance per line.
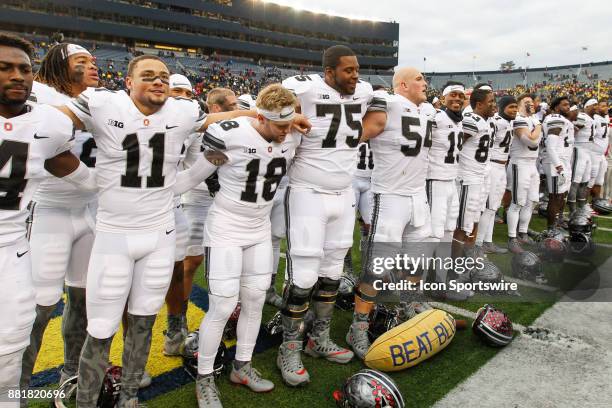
pixel 369 388
pixel 345 300
pixel 553 246
pixel 190 356
pixel 528 266
pixel 581 243
pixel 493 326
pixel 109 394
pixel 382 319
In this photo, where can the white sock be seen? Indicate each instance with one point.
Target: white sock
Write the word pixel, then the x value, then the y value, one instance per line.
pixel 513 219
pixel 525 217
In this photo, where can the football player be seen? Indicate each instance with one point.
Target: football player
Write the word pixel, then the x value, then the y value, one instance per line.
pixel 496 175
pixel 584 138
pixel 61 217
pixel 473 164
pixel 237 234
pixel 34 140
pixel 176 300
pixel 198 200
pixel 139 137
pixel 556 129
pixel 320 203
pixel 523 176
pixel 443 165
pixel 599 166
pixel 400 138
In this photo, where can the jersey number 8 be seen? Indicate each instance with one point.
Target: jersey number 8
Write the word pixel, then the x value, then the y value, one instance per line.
pixel 272 179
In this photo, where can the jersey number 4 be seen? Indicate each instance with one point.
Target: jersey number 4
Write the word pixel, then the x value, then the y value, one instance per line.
pixel 272 178
pixel 336 112
pixel 415 137
pixel 132 146
pixel 11 187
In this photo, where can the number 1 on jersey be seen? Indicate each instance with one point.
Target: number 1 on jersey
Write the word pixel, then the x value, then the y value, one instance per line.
pixel 132 146
pixel 272 179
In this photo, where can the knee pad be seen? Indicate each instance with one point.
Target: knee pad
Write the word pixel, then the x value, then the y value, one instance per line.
pixel 326 290
pixel 257 282
pixel 332 263
pixel 295 301
pixel 10 370
pixel 303 271
pixel 514 208
pixel 221 307
pixel 224 287
pixel 103 328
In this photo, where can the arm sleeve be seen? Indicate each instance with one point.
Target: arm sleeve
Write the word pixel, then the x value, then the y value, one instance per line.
pixel 193 152
pixel 83 178
pixel 196 174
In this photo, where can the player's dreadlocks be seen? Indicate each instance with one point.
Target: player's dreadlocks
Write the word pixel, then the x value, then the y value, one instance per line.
pixel 13 41
pixel 54 69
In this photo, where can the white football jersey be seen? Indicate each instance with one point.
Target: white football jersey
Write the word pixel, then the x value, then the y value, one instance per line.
pixel 555 145
pixel 53 191
pixel 447 137
pixel 137 156
pixel 325 160
pixel 585 135
pixel 502 136
pixel 249 181
pixel 26 141
pixel 365 160
pixel 474 156
pixel 427 109
pixel 400 151
pixel 518 149
pixel 600 135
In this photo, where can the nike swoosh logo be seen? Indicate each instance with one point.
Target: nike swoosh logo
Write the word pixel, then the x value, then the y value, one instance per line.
pixel 171 127
pixel 353 206
pixel 40 137
pixel 284 116
pixel 22 254
pixel 283 151
pixel 355 98
pixel 169 232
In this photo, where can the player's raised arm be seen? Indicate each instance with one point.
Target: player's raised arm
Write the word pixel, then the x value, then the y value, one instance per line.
pixel 300 123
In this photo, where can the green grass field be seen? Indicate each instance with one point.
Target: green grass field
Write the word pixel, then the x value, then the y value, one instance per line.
pixel 421 386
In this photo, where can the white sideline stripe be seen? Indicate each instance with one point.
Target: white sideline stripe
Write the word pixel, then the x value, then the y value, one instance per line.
pixel 604 229
pixel 573 262
pixel 467 313
pixel 283 255
pixel 529 284
pixel 604 245
pixel 607 217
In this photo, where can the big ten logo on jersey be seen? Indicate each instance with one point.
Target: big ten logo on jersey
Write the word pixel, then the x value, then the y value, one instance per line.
pixel 323 96
pixel 250 150
pixel 115 123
